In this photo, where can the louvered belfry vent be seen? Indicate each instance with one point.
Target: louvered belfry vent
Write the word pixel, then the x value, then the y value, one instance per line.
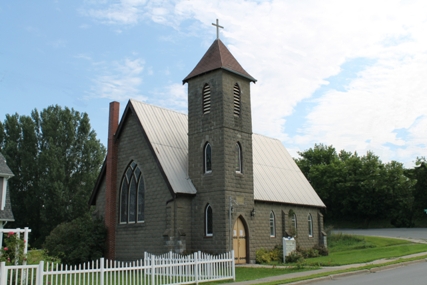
pixel 236 91
pixel 206 99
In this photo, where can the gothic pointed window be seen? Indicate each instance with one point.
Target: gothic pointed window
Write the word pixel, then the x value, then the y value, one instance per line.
pixel 208 221
pixel 206 99
pixel 272 225
pixel 294 224
pixel 238 158
pixel 236 92
pixel 310 225
pixel 208 158
pixel 132 194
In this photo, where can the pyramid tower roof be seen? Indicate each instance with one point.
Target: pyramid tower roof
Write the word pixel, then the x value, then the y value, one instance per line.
pixel 218 57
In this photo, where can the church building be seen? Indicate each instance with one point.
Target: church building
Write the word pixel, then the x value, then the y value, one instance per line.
pixel 202 181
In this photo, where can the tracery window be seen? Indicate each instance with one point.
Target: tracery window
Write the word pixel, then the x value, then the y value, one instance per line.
pixel 206 99
pixel 208 221
pixel 208 158
pixel 236 92
pixel 238 158
pixel 272 225
pixel 132 195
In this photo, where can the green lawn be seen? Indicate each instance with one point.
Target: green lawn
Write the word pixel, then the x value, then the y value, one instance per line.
pixel 346 249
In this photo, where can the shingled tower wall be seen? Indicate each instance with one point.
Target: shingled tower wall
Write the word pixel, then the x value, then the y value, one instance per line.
pixel 222 129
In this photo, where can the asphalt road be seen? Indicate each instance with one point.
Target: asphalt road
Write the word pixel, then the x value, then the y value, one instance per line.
pixel 414 274
pixel 411 233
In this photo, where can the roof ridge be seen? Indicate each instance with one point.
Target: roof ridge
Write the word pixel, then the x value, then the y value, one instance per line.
pixel 158 107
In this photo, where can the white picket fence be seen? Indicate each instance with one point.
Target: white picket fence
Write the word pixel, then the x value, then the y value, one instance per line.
pixel 167 269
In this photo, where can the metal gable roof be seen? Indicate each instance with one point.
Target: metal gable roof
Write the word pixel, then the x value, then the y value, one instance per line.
pixel 167 133
pixel 277 178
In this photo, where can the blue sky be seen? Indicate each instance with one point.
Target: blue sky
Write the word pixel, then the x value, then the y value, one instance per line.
pixel 345 73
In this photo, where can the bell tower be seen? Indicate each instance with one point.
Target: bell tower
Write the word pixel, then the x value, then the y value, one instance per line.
pixel 219 147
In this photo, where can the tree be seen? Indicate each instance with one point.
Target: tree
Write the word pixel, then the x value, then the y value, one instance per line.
pixel 419 173
pixel 55 157
pixel 78 241
pixel 360 188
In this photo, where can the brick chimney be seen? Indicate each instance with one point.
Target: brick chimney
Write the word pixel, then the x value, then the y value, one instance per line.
pixel 111 181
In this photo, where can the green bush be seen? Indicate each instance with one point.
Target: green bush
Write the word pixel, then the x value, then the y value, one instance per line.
pixel 321 249
pixel 295 257
pixel 277 254
pixel 262 256
pixel 78 241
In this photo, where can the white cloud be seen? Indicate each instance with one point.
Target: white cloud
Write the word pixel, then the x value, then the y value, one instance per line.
pixel 130 12
pixel 293 47
pixel 119 80
pixel 173 96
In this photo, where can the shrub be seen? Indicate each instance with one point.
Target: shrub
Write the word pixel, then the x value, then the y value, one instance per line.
pixel 322 250
pixel 277 253
pixel 295 257
pixel 78 241
pixel 262 256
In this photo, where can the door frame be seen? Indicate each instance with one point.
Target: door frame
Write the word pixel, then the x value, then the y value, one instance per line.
pixel 245 225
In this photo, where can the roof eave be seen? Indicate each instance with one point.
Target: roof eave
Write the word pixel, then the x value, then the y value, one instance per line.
pixel 250 78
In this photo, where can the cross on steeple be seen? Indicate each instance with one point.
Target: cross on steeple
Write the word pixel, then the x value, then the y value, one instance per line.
pixel 217 28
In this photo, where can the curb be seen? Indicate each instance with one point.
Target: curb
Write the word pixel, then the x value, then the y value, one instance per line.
pixel 362 271
pixel 376 269
pixel 330 277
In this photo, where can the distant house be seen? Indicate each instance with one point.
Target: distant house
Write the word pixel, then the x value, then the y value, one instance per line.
pixel 203 181
pixel 6 214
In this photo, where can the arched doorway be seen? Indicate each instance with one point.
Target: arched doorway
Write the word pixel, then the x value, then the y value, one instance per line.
pixel 239 241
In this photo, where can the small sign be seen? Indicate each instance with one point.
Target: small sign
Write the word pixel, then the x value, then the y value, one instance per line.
pixel 289 245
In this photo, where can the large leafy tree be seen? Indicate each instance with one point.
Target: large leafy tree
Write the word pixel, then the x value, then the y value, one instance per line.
pixel 359 188
pixel 419 173
pixel 55 157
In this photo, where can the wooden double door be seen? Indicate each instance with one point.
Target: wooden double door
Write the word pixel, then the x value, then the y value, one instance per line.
pixel 239 241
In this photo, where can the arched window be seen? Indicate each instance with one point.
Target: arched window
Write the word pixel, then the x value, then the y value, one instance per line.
pixel 132 195
pixel 310 225
pixel 272 225
pixel 238 158
pixel 208 221
pixel 294 224
pixel 208 158
pixel 206 99
pixel 236 93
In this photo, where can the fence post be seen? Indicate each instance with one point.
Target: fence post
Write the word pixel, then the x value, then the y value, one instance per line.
pixel 153 268
pixel 40 272
pixel 196 267
pixel 25 245
pixel 18 236
pixel 101 271
pixel 3 272
pixel 233 267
